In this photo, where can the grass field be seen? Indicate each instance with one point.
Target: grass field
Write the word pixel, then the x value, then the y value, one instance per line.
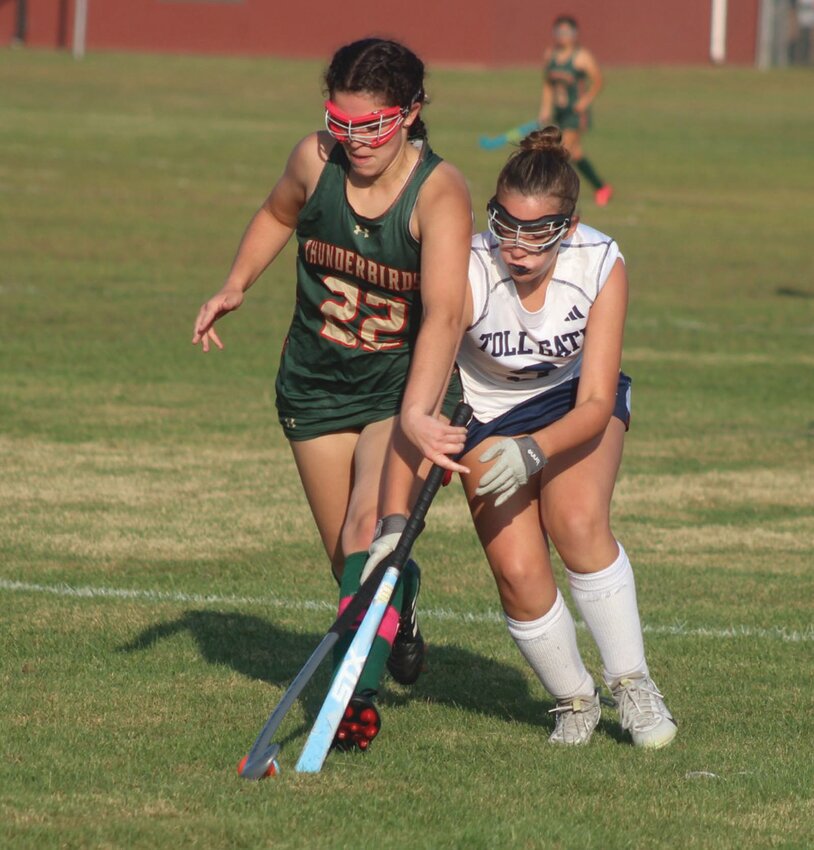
pixel 161 580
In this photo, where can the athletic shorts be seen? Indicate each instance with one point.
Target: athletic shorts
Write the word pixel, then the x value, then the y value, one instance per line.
pixel 307 424
pixel 567 119
pixel 542 410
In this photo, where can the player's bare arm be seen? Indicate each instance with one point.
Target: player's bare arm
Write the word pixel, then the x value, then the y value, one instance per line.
pixel 585 61
pixel 443 222
pixel 469 309
pixel 547 94
pixel 602 355
pixel 266 235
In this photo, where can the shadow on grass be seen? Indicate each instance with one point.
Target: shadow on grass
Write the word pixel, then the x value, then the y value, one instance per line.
pixel 260 649
pixel 790 292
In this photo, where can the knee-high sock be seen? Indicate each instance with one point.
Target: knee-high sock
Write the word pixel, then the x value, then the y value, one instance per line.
pixel 380 651
pixel 589 173
pixel 549 644
pixel 606 601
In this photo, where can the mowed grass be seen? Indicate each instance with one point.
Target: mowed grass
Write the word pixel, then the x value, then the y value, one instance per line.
pixel 132 463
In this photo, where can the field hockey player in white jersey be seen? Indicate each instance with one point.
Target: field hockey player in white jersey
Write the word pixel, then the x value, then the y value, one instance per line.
pixel 540 365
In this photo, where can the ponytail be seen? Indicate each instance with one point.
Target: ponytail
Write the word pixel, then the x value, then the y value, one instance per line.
pixel 540 166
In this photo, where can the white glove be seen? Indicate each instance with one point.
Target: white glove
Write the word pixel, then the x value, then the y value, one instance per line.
pixel 518 458
pixel 385 540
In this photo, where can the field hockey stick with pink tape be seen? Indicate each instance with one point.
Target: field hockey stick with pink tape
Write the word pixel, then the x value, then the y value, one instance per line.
pixel 262 758
pixel 347 676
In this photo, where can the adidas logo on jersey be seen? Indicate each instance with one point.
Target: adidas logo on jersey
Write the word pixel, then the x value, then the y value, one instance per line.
pixel 573 315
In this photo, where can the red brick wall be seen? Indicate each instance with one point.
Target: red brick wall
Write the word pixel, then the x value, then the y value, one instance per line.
pixel 484 32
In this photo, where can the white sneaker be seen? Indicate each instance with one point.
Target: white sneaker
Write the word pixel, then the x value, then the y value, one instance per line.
pixel 642 711
pixel 576 719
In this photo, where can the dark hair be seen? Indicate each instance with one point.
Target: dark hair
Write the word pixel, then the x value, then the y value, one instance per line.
pixel 540 166
pixel 381 67
pixel 566 19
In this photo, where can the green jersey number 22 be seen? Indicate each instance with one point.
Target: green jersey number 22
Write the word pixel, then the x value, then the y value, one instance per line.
pixel 377 332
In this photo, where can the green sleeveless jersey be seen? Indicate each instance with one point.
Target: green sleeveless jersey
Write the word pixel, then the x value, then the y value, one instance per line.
pixel 567 81
pixel 358 310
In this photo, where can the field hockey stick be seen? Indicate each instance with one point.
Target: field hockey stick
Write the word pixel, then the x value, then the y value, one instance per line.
pixel 492 143
pixel 261 760
pixel 347 676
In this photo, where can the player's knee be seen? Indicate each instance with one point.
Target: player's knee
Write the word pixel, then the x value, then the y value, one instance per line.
pixel 515 577
pixel 338 567
pixel 358 530
pixel 575 527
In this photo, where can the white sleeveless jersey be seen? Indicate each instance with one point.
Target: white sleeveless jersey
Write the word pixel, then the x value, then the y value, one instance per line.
pixel 510 355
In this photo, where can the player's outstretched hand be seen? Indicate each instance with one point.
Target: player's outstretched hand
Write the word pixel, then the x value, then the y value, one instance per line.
pixel 217 306
pixel 435 438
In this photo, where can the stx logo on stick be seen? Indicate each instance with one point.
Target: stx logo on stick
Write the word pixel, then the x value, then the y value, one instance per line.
pixel 346 679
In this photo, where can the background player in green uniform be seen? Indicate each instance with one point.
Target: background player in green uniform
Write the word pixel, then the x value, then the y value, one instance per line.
pixel 383 227
pixel 571 82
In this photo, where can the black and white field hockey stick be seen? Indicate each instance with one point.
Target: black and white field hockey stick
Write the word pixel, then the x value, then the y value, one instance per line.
pixel 347 676
pixel 261 760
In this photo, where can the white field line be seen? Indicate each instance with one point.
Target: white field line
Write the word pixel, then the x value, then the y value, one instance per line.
pixel 676 630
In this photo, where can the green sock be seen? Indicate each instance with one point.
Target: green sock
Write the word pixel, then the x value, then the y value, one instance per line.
pixel 587 171
pixel 380 651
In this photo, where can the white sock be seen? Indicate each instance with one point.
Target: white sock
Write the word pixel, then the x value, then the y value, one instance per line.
pixel 607 602
pixel 549 644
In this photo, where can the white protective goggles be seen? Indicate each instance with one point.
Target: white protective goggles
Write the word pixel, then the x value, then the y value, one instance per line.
pixel 536 237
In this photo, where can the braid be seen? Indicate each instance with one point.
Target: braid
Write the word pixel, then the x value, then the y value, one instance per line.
pixel 381 67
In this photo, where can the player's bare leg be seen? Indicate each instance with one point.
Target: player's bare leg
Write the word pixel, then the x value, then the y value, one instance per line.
pixel 572 140
pixel 603 192
pixel 404 476
pixel 514 540
pixel 341 475
pixel 325 465
pixel 405 473
pixel 575 504
pixel 369 462
pixel 577 487
pixel 328 459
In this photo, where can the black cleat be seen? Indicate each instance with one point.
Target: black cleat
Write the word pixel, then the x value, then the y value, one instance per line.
pixel 360 725
pixel 409 652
